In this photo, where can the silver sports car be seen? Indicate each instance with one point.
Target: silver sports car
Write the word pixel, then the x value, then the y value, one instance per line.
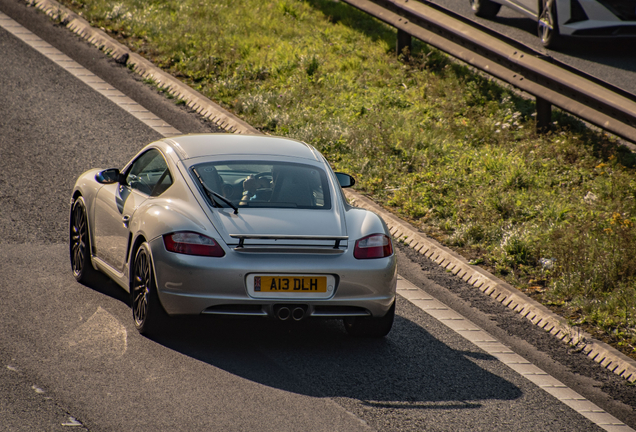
pixel 234 225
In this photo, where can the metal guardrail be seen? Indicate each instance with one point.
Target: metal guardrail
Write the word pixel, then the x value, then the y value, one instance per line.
pixel 573 91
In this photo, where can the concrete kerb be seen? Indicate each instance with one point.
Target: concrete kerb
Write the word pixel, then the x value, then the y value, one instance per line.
pixel 401 230
pixel 143 67
pixel 512 298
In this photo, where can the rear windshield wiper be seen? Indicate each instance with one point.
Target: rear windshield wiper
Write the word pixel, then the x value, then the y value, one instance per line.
pixel 213 195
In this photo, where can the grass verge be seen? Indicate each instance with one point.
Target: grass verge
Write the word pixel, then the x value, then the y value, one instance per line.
pixel 452 152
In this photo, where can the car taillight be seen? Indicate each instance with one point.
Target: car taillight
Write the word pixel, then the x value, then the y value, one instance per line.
pixel 373 246
pixel 191 243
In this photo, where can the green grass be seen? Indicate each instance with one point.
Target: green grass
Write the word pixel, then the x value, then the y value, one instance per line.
pixel 451 151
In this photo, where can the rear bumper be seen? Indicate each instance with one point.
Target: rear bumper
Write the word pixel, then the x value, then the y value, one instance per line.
pixel 192 285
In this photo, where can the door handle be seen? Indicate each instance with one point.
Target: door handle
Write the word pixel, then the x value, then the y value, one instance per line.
pixel 125 220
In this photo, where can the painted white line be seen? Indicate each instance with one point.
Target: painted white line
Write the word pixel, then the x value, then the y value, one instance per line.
pixel 72 422
pixel 406 289
pixel 505 355
pixel 37 389
pixel 87 77
pixel 193 99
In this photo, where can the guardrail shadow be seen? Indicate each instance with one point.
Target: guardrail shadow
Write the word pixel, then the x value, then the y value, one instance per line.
pixel 409 369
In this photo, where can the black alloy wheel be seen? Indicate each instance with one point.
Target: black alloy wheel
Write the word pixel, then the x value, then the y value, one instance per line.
pixel 370 327
pixel 547 26
pixel 485 8
pixel 79 242
pixel 147 311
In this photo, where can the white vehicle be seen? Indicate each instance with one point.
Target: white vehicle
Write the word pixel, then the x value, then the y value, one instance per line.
pixel 228 224
pixel 579 18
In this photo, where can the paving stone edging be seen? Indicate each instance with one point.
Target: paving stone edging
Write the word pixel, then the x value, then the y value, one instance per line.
pixel 501 291
pixel 145 68
pixel 487 283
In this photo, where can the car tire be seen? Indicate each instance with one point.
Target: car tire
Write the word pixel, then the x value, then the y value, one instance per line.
pixel 80 242
pixel 485 8
pixel 148 313
pixel 548 25
pixel 369 326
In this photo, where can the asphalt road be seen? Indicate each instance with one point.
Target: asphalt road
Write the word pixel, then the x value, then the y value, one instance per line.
pixel 611 60
pixel 70 351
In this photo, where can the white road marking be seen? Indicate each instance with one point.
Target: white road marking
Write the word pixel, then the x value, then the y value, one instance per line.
pixel 498 290
pixel 523 367
pixel 86 76
pixel 37 389
pixel 406 289
pixel 72 421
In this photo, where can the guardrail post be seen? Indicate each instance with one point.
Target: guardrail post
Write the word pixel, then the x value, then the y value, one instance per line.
pixel 403 41
pixel 544 115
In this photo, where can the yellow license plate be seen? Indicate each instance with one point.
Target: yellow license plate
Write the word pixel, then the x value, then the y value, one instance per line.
pixel 294 284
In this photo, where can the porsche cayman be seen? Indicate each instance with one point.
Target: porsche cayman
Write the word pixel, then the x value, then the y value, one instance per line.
pixel 239 225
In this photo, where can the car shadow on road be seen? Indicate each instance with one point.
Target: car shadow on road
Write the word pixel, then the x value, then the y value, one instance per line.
pixel 522 23
pixel 409 369
pixel 101 283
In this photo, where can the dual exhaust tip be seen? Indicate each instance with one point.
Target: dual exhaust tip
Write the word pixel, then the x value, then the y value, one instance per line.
pixel 284 313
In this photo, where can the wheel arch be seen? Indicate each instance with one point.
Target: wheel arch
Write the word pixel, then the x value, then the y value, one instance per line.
pixel 138 241
pixel 136 244
pixel 362 222
pixel 89 252
pixel 76 195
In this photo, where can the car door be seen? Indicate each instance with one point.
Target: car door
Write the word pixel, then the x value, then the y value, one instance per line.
pixel 528 6
pixel 148 176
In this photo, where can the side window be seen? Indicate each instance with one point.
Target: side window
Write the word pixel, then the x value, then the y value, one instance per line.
pixel 149 174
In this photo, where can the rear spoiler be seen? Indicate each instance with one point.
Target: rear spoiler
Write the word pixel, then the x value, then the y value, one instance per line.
pixel 287 249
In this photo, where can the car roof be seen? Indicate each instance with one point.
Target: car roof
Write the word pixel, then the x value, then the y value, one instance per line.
pixel 199 145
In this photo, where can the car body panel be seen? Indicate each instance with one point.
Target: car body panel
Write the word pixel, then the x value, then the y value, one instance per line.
pixel 289 242
pixel 279 222
pixel 199 146
pixel 111 236
pixel 528 7
pixel 191 285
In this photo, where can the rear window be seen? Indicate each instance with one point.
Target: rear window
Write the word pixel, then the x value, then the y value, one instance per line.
pixel 266 184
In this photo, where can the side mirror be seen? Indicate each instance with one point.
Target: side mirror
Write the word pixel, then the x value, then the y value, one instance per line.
pixel 345 180
pixel 108 176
